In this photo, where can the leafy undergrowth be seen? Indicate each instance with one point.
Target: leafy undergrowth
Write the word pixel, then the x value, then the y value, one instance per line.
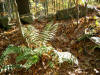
pixel 65 40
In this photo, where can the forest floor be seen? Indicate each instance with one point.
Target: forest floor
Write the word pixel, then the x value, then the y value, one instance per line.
pixel 67 34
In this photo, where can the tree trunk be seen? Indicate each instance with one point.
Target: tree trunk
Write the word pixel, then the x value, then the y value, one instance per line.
pixel 23 6
pixel 24 12
pixel 19 22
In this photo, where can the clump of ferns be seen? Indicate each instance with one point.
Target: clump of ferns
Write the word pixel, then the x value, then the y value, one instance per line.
pixel 32 56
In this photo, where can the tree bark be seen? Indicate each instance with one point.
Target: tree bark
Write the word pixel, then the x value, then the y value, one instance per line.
pixel 19 22
pixel 23 6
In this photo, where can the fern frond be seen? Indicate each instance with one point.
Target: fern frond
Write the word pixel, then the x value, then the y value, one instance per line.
pixel 21 57
pixel 97 46
pixel 30 33
pixel 2 57
pixel 48 32
pixel 85 36
pixel 31 60
pixel 32 56
pixel 22 51
pixel 9 50
pixel 10 67
pixel 42 50
pixel 33 36
pixel 12 49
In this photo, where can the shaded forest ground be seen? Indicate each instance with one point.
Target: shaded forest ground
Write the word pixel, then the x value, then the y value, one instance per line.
pixel 67 34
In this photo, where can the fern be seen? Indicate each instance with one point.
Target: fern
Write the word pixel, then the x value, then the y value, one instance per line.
pixel 31 60
pixel 10 67
pixel 51 64
pixel 85 36
pixel 97 46
pixel 48 32
pixel 24 53
pixel 9 50
pixel 33 36
pixel 30 33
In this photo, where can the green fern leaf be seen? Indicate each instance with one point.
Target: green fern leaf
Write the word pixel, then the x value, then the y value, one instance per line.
pixel 48 32
pixel 33 36
pixel 10 67
pixel 12 49
pixel 32 60
pixel 9 50
pixel 85 36
pixel 21 57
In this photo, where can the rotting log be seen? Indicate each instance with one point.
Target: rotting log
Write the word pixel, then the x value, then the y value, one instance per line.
pixel 72 12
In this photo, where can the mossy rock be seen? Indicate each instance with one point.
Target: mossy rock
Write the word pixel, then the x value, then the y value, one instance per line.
pixel 4 20
pixel 27 19
pixel 73 12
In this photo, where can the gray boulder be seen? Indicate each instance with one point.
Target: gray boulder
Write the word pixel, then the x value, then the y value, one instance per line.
pixel 4 20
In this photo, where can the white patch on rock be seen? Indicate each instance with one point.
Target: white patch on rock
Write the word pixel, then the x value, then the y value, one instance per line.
pixel 96 71
pixel 96 40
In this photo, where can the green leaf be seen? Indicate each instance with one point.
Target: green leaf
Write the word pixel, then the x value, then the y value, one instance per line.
pixel 51 64
pixel 32 60
pixel 83 37
pixel 9 50
pixel 35 59
pixel 12 49
pixel 22 57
